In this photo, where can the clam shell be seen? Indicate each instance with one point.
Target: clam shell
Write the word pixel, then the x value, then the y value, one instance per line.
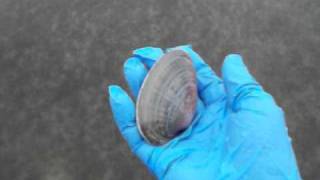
pixel 167 99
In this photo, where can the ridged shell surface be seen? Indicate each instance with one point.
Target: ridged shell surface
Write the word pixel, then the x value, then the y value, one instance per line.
pixel 167 99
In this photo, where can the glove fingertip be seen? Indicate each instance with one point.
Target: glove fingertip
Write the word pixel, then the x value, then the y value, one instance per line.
pixel 121 102
pixel 132 63
pixel 134 72
pixel 114 91
pixel 232 64
pixel 149 55
pixel 148 51
pixel 118 95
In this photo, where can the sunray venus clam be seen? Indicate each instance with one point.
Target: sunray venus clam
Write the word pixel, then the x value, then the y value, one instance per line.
pixel 167 99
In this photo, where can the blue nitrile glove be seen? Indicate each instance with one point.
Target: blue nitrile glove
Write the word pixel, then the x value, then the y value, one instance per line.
pixel 238 131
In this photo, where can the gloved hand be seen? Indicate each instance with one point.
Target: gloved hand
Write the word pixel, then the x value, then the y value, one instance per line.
pixel 238 131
